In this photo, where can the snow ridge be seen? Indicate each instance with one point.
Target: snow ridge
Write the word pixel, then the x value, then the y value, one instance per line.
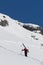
pixel 12 36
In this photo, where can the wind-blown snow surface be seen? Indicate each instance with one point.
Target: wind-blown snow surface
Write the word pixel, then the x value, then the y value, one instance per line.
pixel 11 39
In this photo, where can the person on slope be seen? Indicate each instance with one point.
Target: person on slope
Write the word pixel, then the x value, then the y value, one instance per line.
pixel 25 50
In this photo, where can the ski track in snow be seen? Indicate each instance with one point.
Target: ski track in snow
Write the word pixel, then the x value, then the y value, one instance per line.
pixel 7 49
pixel 34 59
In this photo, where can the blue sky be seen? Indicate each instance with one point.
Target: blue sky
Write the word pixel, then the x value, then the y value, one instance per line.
pixel 27 11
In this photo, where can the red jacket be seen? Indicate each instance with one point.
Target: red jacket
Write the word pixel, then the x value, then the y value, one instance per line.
pixel 25 49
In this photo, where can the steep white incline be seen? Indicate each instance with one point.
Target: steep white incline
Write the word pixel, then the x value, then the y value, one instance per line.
pixel 11 39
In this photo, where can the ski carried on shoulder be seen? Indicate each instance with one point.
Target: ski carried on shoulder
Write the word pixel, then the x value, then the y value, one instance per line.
pixel 24 45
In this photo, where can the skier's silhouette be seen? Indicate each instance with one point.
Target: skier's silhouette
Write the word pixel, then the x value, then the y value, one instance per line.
pixel 25 50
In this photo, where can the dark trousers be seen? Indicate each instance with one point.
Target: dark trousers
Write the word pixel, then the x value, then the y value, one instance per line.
pixel 25 53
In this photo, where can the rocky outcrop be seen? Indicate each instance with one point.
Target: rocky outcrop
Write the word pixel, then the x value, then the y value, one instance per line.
pixel 3 22
pixel 35 29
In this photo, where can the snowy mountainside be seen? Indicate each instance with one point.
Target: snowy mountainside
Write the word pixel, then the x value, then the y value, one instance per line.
pixel 12 35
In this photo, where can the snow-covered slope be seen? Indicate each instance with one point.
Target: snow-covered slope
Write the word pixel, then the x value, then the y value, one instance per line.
pixel 12 36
